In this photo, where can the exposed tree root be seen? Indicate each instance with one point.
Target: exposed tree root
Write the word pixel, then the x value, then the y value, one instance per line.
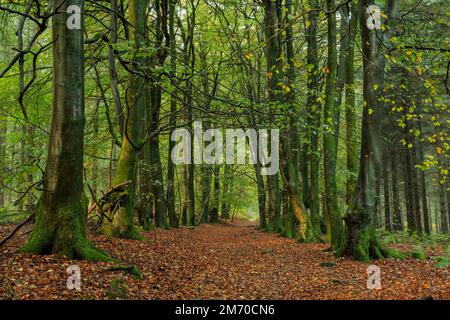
pixel 132 269
pixel 62 232
pixel 361 241
pixel 80 250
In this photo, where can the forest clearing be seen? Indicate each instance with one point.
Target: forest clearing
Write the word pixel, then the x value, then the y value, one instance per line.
pixel 224 150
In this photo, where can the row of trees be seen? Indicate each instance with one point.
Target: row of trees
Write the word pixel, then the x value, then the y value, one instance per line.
pixel 362 109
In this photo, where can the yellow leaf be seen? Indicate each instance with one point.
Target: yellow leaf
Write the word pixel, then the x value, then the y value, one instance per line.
pixel 248 55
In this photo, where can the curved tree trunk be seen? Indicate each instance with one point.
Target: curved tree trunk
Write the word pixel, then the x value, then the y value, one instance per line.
pixel 122 225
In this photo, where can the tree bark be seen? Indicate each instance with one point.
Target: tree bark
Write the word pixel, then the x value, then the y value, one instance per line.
pixel 313 118
pixel 386 192
pixel 350 112
pixel 423 191
pixel 361 241
pixel 122 225
pixel 397 224
pixel 170 196
pixel 333 217
pixel 61 212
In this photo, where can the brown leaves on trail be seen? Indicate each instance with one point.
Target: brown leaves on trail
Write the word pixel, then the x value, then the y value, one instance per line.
pixel 224 261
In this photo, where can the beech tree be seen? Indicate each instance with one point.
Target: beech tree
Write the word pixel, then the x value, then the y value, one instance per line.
pixel 361 241
pixel 61 212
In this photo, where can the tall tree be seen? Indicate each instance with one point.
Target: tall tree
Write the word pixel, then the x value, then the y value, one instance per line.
pixel 386 193
pixel 332 213
pixel 170 197
pixel 397 214
pixel 274 74
pixel 350 105
pixel 61 211
pixel 314 116
pixel 361 241
pixel 188 173
pixel 122 224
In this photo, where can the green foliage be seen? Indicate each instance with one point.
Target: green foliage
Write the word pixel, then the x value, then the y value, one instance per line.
pixel 442 262
pixel 414 237
pixel 419 253
pixel 118 289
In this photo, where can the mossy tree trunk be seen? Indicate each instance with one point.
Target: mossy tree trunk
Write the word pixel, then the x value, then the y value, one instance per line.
pixel 61 212
pixel 314 109
pixel 3 132
pixel 360 240
pixel 274 58
pixel 123 225
pixel 332 217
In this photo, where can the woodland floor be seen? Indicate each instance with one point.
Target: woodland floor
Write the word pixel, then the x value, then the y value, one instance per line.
pixel 223 261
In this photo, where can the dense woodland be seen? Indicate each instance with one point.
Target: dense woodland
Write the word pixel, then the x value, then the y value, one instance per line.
pixel 360 97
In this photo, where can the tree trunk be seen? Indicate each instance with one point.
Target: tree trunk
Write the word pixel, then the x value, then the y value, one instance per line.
pixel 62 212
pixel 189 195
pixel 361 241
pixel 170 196
pixel 226 187
pixel 261 197
pixel 3 132
pixel 386 192
pixel 415 180
pixel 443 185
pixel 443 209
pixel 155 169
pixel 114 81
pixel 350 112
pixel 333 217
pixel 122 225
pixel 314 118
pixel 275 76
pixel 423 191
pixel 216 198
pixel 397 224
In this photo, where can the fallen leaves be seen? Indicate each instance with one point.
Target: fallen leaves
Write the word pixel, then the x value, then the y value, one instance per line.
pixel 224 261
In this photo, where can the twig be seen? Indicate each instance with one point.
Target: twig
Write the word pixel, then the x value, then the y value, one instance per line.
pixel 20 225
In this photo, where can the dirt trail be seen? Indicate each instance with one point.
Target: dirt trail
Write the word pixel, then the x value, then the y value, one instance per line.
pixel 224 261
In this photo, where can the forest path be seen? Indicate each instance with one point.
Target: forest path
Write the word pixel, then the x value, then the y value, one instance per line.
pixel 222 261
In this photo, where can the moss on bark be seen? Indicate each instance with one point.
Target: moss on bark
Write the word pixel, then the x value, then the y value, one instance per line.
pixel 361 241
pixel 61 229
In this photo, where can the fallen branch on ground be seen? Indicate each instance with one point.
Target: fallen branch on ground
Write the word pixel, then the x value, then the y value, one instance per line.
pixel 17 228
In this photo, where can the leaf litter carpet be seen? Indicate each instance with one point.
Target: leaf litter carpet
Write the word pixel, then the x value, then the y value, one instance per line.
pixel 231 260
